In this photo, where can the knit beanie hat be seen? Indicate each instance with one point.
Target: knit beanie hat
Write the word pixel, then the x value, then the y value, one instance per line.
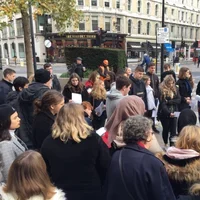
pixel 6 111
pixel 42 76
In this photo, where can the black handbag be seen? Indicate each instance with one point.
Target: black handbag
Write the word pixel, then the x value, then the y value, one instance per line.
pixel 122 175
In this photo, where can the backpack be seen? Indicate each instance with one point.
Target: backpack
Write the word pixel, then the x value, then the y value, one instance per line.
pixel 71 68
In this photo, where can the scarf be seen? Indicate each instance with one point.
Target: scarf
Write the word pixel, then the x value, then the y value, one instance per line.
pixel 128 106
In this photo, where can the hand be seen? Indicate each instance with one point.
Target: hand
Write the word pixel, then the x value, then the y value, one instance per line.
pixel 171 114
pixel 71 101
pixel 84 69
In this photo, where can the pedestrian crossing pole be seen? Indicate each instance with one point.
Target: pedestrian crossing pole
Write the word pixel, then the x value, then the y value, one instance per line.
pixel 162 45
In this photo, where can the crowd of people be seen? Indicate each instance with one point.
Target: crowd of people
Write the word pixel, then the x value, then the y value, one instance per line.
pixel 51 146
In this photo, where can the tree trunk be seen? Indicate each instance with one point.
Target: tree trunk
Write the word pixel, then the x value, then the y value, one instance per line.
pixel 27 42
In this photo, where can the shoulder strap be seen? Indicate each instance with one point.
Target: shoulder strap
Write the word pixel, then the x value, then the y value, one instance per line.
pixel 122 175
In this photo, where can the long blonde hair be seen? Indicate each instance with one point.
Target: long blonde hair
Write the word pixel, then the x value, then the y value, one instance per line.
pixel 189 138
pixel 70 124
pixel 28 177
pixel 166 91
pixel 98 92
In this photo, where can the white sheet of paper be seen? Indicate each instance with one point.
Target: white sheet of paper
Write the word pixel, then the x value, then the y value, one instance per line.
pixel 76 98
pixel 197 97
pixel 176 114
pixel 154 113
pixel 101 131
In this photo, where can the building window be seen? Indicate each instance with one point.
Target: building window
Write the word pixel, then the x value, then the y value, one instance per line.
pixel 198 1
pixel 172 29
pixel 13 50
pixel 182 1
pixel 165 11
pixel 21 50
pixel 186 16
pixel 129 26
pixel 191 20
pixel 107 23
pixel 156 28
pixel 181 31
pixel 139 5
pixel 186 35
pixel 118 4
pixel 172 12
pixel 19 27
pixel 191 33
pixel 82 26
pixel 94 2
pixel 4 33
pixel 156 10
pixel 118 24
pixel 6 53
pixel 94 23
pixel 148 8
pixel 139 27
pixel 179 15
pixel 107 3
pixel 192 2
pixel 80 2
pixel 197 19
pixel 148 28
pixel 196 34
pixel 11 29
pixel 178 30
pixel 182 16
pixel 129 4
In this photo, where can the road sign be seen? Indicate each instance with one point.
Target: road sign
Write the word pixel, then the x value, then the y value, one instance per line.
pixel 163 35
pixel 47 43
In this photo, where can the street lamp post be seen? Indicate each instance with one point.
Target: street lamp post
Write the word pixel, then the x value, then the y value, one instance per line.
pixel 162 45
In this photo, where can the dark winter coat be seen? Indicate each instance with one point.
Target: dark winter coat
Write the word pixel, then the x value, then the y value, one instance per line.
pixel 26 100
pixel 42 125
pixel 168 105
pixel 154 84
pixel 12 97
pixel 138 88
pixel 144 175
pixel 68 90
pixel 185 91
pixel 188 197
pixel 164 74
pixel 56 84
pixel 79 169
pixel 182 173
pixel 5 88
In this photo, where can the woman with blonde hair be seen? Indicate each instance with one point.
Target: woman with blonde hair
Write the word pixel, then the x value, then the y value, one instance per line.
pixel 98 98
pixel 169 101
pixel 182 162
pixel 28 179
pixel 76 157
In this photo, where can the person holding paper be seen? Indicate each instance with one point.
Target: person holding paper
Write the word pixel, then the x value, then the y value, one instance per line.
pixel 98 101
pixel 169 101
pixel 73 88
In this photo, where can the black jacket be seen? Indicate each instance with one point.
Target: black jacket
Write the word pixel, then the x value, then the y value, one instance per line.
pixel 77 168
pixel 154 84
pixel 198 89
pixel 188 197
pixel 25 100
pixel 144 175
pixel 168 105
pixel 11 98
pixel 68 90
pixel 138 88
pixel 56 84
pixel 5 88
pixel 42 125
pixel 171 72
pixel 184 91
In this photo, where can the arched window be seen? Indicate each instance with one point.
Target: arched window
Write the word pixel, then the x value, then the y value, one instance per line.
pixel 148 28
pixel 139 5
pixel 148 8
pixel 156 10
pixel 129 26
pixel 139 27
pixel 5 50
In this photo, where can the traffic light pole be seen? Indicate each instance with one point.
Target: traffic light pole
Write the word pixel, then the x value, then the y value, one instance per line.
pixel 162 45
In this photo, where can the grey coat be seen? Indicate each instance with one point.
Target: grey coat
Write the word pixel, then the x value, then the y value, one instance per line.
pixel 9 150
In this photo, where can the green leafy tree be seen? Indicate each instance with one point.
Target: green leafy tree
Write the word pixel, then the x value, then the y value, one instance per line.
pixel 63 12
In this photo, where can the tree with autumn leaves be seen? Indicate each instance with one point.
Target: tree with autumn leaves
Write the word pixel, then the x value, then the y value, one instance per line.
pixel 63 12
